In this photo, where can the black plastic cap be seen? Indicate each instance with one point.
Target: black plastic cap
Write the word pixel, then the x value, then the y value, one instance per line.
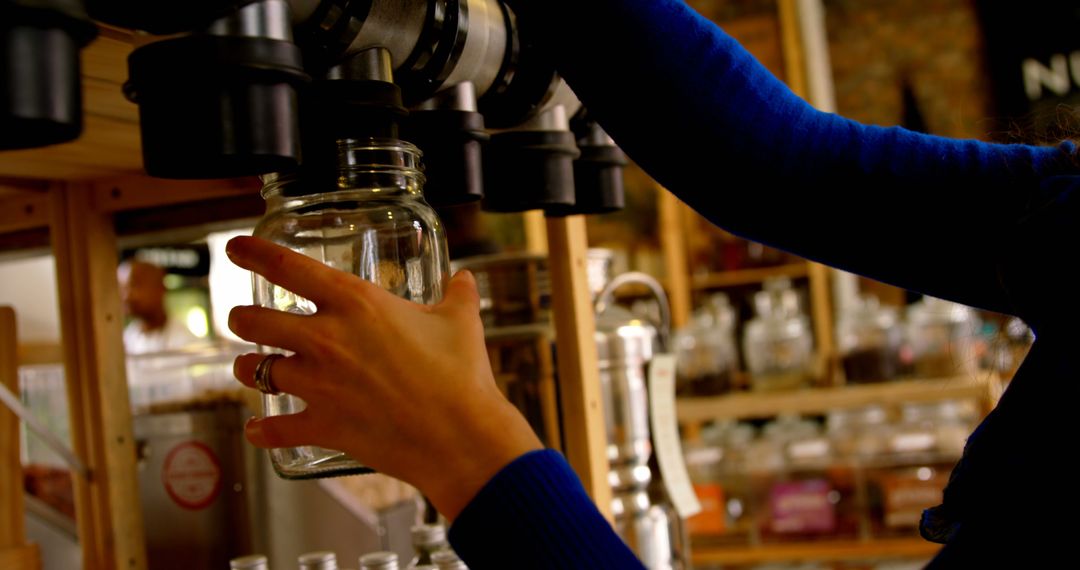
pixel 217 107
pixel 598 180
pixel 528 170
pixel 40 93
pixel 452 143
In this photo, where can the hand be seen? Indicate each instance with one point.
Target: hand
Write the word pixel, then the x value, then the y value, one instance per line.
pixel 402 387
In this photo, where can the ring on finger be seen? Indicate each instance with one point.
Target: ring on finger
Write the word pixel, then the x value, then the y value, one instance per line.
pixel 263 380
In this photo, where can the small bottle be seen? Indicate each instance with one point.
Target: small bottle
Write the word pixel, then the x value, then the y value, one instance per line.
pixel 427 539
pixel 250 562
pixel 447 559
pixel 379 561
pixel 321 560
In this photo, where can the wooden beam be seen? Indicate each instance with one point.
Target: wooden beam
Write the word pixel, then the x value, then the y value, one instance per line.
pixel 822 316
pixel 748 405
pixel 673 245
pixel 792 46
pixel 141 192
pixel 535 232
pixel 31 353
pixel 12 509
pixel 584 434
pixel 823 550
pixel 26 557
pixel 108 514
pixel 24 211
pixel 753 276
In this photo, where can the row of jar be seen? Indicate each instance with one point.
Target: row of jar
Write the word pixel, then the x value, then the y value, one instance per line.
pixel 861 475
pixel 431 552
pixel 939 339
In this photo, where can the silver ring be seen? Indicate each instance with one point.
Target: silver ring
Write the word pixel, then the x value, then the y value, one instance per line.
pixel 262 375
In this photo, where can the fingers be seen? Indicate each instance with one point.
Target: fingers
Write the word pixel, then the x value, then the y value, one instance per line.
pixel 290 430
pixel 300 274
pixel 286 374
pixel 461 294
pixel 270 327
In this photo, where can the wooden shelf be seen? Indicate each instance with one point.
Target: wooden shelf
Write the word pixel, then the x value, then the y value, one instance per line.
pixel 847 550
pixel 749 276
pixel 821 400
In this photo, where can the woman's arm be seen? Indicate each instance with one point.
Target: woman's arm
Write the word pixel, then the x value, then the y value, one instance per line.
pixel 704 118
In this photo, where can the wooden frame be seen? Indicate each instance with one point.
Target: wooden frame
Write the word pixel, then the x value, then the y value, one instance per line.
pixel 15 552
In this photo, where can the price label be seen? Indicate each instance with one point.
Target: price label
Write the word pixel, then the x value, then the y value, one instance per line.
pixel 665 431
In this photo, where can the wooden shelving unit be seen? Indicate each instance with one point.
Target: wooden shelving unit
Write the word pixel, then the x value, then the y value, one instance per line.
pixel 747 405
pixel 824 550
pixel 753 276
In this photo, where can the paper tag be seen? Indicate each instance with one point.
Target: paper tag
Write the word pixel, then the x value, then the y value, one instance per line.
pixel 665 431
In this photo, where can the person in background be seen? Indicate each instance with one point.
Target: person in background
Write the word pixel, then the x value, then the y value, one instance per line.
pixel 142 289
pixel 408 389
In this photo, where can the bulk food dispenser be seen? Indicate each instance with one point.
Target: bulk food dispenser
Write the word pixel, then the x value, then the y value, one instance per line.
pixel 454 94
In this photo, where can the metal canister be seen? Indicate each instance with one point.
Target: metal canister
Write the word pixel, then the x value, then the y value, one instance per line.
pixel 625 344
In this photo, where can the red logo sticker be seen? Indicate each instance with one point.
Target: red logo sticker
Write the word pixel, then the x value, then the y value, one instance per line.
pixel 192 475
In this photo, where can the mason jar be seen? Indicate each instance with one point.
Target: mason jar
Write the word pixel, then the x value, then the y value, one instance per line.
pixel 369 220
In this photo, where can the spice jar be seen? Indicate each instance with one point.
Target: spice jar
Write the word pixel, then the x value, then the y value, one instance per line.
pixel 942 336
pixel 705 351
pixel 778 342
pixel 871 341
pixel 371 221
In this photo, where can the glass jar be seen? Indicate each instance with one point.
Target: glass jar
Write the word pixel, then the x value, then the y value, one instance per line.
pixel 778 342
pixel 705 351
pixel 370 220
pixel 871 342
pixel 813 496
pixel 911 477
pixel 943 338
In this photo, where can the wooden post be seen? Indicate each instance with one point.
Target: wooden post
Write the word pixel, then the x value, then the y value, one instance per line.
pixel 673 245
pixel 15 553
pixel 821 306
pixel 584 433
pixel 108 513
pixel 535 232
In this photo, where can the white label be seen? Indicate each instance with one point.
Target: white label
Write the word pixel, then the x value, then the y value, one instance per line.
pixel 665 431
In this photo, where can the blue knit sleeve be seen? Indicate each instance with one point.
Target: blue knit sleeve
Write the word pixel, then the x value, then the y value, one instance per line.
pixel 535 514
pixel 711 124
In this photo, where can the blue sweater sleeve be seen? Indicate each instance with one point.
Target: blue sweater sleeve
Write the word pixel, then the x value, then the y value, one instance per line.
pixel 535 514
pixel 711 124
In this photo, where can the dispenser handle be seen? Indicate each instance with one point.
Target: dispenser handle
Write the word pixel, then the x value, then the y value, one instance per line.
pixel 606 296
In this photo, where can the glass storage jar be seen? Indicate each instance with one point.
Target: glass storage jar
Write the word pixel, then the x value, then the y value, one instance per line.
pixel 778 342
pixel 370 220
pixel 943 338
pixel 871 342
pixel 922 451
pixel 705 351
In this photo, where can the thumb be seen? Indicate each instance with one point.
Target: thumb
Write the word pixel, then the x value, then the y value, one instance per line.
pixel 461 293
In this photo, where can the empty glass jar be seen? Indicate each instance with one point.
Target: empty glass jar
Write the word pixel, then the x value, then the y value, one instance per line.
pixel 943 338
pixel 778 342
pixel 370 220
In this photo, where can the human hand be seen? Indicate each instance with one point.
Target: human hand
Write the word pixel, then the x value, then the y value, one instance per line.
pixel 402 387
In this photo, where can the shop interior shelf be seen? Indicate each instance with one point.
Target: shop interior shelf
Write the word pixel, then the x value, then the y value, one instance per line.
pixel 825 550
pixel 738 277
pixel 985 387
